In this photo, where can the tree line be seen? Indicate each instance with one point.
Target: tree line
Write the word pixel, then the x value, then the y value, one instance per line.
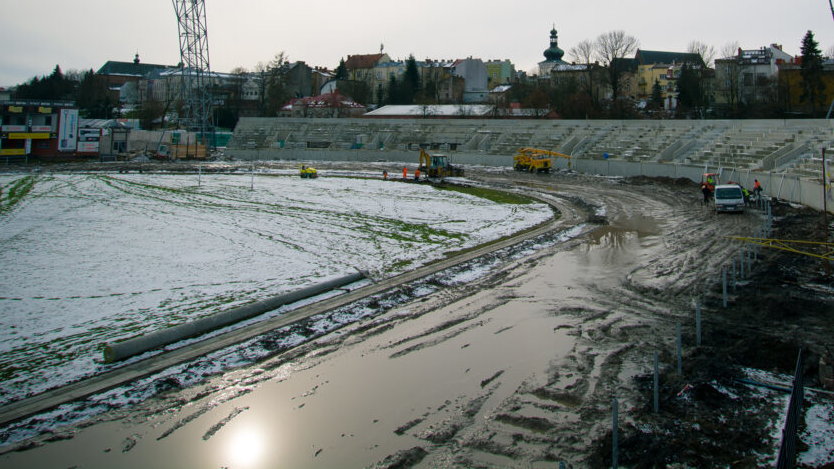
pixel 597 92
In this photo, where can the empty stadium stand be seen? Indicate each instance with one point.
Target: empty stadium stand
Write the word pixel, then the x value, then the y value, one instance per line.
pixel 788 146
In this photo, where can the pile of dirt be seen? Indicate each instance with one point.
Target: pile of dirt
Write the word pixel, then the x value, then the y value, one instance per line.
pixel 707 417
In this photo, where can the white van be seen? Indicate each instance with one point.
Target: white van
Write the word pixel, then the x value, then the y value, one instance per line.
pixel 729 198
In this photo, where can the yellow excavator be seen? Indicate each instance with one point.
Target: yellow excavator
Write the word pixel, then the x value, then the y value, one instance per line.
pixel 536 160
pixel 438 166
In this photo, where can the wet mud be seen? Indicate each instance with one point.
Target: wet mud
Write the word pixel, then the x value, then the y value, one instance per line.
pixel 514 369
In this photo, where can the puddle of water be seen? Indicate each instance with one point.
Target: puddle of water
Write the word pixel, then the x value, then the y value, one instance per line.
pixel 343 411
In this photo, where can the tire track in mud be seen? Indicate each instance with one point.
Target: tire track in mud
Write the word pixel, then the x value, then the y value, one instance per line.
pixel 613 332
pixel 557 414
pixel 134 371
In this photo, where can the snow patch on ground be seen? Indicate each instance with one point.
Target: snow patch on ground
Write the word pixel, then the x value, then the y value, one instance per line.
pixel 98 258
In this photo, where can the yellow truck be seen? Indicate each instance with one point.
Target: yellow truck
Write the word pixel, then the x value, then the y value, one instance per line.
pixel 535 160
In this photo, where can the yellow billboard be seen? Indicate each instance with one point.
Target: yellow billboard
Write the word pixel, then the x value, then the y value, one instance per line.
pixel 28 135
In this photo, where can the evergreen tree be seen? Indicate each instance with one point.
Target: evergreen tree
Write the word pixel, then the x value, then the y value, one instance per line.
pixel 54 86
pixel 690 94
pixel 93 97
pixel 657 95
pixel 411 81
pixel 341 71
pixel 813 88
pixel 394 95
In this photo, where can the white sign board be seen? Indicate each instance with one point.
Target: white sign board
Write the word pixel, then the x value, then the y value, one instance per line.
pixel 68 130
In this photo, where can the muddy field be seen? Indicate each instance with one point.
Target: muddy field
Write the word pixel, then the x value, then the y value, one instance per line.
pixel 517 367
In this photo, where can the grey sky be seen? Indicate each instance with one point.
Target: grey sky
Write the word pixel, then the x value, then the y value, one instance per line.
pixel 83 34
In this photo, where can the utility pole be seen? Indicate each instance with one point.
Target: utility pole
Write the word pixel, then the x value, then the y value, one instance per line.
pixel 825 187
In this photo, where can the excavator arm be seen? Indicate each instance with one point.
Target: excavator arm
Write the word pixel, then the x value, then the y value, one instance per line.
pixel 425 161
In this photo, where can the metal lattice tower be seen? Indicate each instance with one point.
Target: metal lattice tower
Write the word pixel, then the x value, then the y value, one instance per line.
pixel 194 67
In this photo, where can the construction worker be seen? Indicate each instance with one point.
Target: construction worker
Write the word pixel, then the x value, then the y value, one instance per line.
pixel 707 193
pixel 384 175
pixel 757 188
pixel 405 172
pixel 417 174
pixel 746 194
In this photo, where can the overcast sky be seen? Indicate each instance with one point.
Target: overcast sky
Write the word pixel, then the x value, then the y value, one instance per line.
pixel 84 34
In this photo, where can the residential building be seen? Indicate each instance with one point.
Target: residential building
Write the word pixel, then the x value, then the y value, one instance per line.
pixel 750 77
pixel 320 76
pixel 499 72
pixel 437 78
pixel 792 90
pixel 382 74
pixel 361 67
pixel 332 104
pixel 663 68
pixel 474 74
pixel 589 78
pixel 299 79
pixel 123 78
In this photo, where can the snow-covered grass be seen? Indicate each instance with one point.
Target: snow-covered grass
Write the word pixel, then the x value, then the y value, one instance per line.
pixel 95 258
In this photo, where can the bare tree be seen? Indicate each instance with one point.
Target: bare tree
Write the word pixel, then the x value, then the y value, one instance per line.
pixel 829 53
pixel 706 51
pixel 270 79
pixel 610 48
pixel 582 52
pixel 729 50
pixel 728 75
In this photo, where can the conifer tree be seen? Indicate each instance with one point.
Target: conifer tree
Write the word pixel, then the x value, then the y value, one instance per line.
pixel 813 89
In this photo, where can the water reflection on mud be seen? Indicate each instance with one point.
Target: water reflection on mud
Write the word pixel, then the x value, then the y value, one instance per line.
pixel 622 230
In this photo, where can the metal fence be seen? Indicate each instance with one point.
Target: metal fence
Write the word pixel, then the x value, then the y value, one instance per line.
pixel 787 450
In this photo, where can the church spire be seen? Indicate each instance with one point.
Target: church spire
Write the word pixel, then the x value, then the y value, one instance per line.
pixel 554 53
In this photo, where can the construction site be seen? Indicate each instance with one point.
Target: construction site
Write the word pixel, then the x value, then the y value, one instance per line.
pixel 421 293
pixel 511 357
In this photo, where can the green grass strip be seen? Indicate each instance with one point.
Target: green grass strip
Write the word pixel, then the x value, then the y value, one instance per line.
pixel 493 195
pixel 18 190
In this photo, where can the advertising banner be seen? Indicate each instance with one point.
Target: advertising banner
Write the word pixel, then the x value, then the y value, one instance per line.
pixel 68 130
pixel 89 140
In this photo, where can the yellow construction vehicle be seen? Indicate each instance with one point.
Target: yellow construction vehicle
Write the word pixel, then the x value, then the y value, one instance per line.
pixel 438 166
pixel 308 172
pixel 535 160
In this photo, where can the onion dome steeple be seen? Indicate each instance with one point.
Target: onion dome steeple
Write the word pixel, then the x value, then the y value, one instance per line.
pixel 553 53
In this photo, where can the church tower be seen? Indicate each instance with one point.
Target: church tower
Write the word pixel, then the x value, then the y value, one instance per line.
pixel 553 55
